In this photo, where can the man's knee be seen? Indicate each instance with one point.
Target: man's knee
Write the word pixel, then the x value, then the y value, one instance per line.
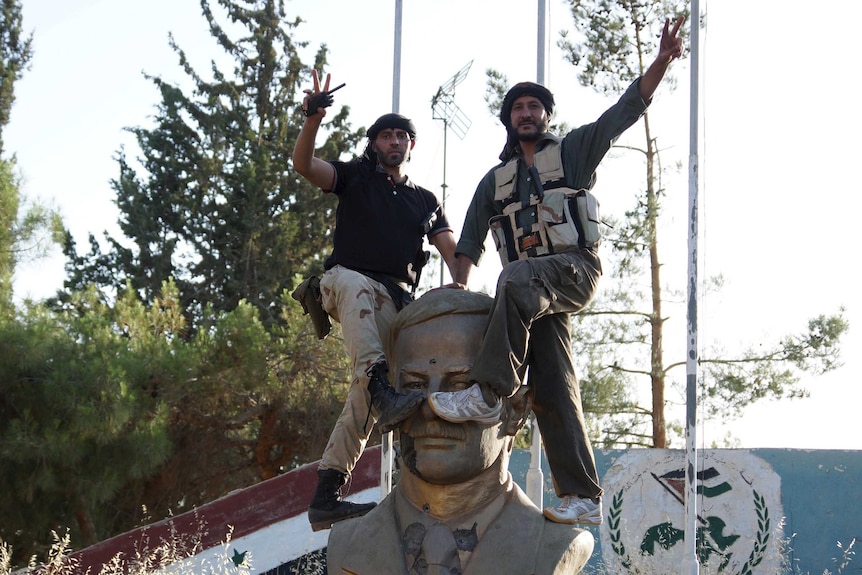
pixel 523 288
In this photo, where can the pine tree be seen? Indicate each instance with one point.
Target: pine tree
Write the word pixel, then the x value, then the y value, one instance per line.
pixel 77 421
pixel 216 204
pixel 619 338
pixel 15 53
pixel 26 228
pixel 621 335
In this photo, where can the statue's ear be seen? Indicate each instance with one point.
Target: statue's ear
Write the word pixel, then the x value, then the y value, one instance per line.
pixel 520 406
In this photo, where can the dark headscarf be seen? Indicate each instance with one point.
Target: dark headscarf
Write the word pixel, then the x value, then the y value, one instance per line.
pixel 391 121
pixel 521 89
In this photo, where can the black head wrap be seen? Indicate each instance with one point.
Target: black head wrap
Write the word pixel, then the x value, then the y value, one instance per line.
pixel 525 89
pixel 518 90
pixel 391 121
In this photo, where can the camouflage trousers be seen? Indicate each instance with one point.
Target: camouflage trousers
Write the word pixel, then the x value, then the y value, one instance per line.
pixel 365 311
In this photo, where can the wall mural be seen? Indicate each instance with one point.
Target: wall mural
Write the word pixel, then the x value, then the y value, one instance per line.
pixel 739 513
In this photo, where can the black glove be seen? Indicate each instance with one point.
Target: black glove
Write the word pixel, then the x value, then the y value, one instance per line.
pixel 320 100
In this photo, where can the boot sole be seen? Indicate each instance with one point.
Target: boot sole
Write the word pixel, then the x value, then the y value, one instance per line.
pixel 393 424
pixel 327 523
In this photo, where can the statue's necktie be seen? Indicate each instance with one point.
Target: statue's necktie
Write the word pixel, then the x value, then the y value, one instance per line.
pixel 440 552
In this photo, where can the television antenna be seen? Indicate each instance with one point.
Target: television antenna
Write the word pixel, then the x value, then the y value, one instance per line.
pixel 443 108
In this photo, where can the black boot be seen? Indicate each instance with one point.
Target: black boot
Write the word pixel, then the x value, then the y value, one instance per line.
pixel 327 507
pixel 392 407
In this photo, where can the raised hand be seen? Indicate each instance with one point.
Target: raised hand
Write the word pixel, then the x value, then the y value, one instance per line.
pixel 670 45
pixel 316 100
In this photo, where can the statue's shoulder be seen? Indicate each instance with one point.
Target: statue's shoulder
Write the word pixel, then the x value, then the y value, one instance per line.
pixel 566 548
pixel 353 540
pixel 560 549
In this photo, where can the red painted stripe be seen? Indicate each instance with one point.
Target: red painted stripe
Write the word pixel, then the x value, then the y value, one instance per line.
pixel 247 510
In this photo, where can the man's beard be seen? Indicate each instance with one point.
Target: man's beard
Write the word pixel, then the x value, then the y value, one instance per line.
pixel 541 130
pixel 383 158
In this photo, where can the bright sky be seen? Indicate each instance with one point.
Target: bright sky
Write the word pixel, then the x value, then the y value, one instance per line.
pixel 778 148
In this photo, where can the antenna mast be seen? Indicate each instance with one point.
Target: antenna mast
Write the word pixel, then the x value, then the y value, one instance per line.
pixel 443 107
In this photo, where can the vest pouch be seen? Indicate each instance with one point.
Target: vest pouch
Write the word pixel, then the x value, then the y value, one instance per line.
pixel 571 219
pixel 586 206
pixel 501 231
pixel 555 216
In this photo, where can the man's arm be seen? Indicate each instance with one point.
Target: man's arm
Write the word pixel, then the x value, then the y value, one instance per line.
pixel 474 231
pixel 445 244
pixel 463 267
pixel 670 48
pixel 317 171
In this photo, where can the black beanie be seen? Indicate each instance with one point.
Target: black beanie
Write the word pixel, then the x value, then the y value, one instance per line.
pixel 391 122
pixel 525 89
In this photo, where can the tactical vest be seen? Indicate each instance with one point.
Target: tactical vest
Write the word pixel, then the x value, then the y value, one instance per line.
pixel 546 218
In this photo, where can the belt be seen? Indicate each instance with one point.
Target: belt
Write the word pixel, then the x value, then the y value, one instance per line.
pixel 399 291
pixel 386 280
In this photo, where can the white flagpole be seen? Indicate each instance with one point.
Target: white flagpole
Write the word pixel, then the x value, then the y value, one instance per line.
pixel 387 455
pixel 396 61
pixel 540 43
pixel 535 477
pixel 690 565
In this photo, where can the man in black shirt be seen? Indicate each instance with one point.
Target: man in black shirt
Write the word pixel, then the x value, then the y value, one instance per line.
pixel 380 223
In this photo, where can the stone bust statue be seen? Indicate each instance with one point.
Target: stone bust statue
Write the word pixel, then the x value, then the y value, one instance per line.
pixel 455 509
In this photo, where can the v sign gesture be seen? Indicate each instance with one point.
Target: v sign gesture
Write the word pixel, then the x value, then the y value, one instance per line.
pixel 670 48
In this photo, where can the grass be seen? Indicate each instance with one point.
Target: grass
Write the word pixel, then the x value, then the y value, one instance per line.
pixel 172 556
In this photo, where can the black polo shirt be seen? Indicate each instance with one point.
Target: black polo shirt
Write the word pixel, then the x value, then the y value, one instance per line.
pixel 378 222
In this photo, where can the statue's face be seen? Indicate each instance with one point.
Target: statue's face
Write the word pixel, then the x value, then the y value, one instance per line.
pixel 437 355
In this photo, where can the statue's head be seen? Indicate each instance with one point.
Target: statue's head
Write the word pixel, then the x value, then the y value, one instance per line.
pixel 434 342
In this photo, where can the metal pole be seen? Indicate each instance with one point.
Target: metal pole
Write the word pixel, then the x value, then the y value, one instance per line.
pixel 387 453
pixel 445 133
pixel 690 564
pixel 540 43
pixel 396 68
pixel 535 477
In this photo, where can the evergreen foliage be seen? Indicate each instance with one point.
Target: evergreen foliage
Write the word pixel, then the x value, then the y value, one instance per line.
pixel 174 367
pixel 15 53
pixel 619 339
pixel 110 418
pixel 215 204
pixel 27 230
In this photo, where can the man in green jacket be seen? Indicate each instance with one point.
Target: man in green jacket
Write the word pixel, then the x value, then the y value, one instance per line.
pixel 544 221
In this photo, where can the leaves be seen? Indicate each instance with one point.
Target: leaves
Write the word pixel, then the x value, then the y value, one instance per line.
pixel 619 338
pixel 771 372
pixel 16 50
pixel 174 367
pixel 213 202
